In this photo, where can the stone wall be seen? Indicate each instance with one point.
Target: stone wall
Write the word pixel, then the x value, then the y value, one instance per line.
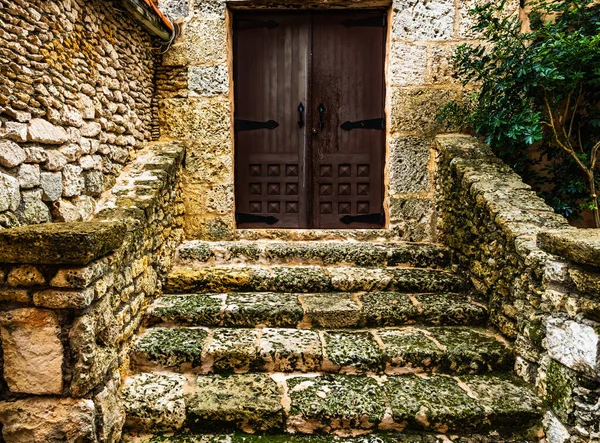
pixel 76 83
pixel 195 100
pixel 71 297
pixel 546 300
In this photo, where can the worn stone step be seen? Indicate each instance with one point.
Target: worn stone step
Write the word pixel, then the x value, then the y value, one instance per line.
pixel 453 349
pixel 522 436
pixel 327 253
pixel 330 403
pixel 328 310
pixel 310 279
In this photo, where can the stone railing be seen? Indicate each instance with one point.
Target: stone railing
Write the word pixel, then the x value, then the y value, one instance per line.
pixel 71 297
pixel 539 276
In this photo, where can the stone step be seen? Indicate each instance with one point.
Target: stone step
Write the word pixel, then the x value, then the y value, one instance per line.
pixel 326 253
pixel 524 436
pixel 444 349
pixel 310 279
pixel 330 403
pixel 327 310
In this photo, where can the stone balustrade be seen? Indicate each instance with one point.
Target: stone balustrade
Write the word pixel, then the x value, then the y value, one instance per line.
pixel 73 294
pixel 541 276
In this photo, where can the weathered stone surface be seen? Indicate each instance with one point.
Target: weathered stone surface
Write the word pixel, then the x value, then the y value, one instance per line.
pixel 412 218
pixel 48 420
pixel 574 344
pixel 33 352
pixel 43 131
pixel 353 352
pixel 409 165
pixel 154 402
pixel 208 80
pixel 29 176
pixel 419 20
pixel 64 243
pixel 191 309
pixel 72 180
pixel 232 350
pixel 206 118
pixel 251 402
pixel 334 403
pixel 56 161
pixel 11 154
pixel 331 310
pixel 408 64
pixel 32 209
pixel 65 211
pixel 110 411
pixel 579 245
pixel 9 193
pixel 26 275
pixel 15 131
pixel 205 41
pixel 170 347
pixel 90 129
pixel 290 350
pixel 60 299
pixel 269 309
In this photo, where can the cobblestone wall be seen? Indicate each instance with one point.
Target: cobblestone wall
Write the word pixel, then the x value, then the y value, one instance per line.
pixel 71 297
pixel 194 95
pixel 545 300
pixel 76 83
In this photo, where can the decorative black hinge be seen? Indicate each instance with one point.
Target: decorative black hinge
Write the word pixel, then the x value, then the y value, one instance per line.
pixel 253 24
pixel 249 125
pixel 374 123
pixel 378 218
pixel 240 217
pixel 378 21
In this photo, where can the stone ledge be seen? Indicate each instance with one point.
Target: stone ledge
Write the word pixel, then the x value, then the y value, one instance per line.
pixel 578 245
pixel 76 243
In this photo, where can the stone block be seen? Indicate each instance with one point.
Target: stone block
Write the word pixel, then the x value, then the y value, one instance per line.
pixel 35 154
pixel 26 275
pixel 423 20
pixel 43 131
pixel 93 183
pixel 196 118
pixel 290 350
pixel 439 65
pixel 32 209
pixel 170 348
pixel 60 243
pixel 556 432
pixel 233 349
pixel 15 131
pixel 270 309
pixel 252 402
pixel 29 176
pixel 206 41
pixel 154 402
pixel 90 129
pixel 409 159
pixel 408 63
pixel 575 345
pixel 208 80
pixel 110 411
pixel 353 352
pixel 10 197
pixel 48 420
pixel 412 218
pixel 414 110
pixel 11 154
pixel 331 310
pixel 72 180
pixel 65 211
pixel 33 352
pixel 578 245
pixel 63 299
pixel 55 160
pixel 86 106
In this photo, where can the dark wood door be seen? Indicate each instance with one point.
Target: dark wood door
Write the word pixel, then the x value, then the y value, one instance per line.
pixel 309 109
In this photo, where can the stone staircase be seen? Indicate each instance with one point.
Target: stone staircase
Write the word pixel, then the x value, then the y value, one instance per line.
pixel 272 341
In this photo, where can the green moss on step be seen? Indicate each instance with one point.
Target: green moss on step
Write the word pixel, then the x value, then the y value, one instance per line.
pixel 205 310
pixel 171 347
pixel 336 402
pixel 234 350
pixel 388 309
pixel 357 350
pixel 270 309
pixel 450 309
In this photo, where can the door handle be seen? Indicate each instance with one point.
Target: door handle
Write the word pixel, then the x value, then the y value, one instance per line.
pixel 321 115
pixel 301 113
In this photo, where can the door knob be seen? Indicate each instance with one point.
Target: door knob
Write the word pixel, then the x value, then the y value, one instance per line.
pixel 314 131
pixel 321 115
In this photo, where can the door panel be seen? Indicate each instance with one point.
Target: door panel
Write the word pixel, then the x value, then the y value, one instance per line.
pixel 329 172
pixel 348 79
pixel 271 80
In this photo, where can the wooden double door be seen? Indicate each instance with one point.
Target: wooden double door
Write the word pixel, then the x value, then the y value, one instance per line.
pixel 309 119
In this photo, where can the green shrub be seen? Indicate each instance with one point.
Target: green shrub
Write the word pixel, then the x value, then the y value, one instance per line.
pixel 538 90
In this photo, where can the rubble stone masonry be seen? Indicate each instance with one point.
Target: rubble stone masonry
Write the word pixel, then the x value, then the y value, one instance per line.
pixel 76 84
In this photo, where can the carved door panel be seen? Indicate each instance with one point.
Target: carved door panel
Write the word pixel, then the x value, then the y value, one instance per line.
pixel 309 110
pixel 348 150
pixel 271 57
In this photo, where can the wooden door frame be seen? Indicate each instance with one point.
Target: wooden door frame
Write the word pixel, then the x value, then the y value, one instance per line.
pixel 385 6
